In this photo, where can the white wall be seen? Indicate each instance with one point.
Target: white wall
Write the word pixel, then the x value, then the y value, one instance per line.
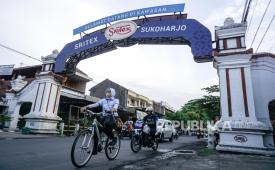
pixel 263 78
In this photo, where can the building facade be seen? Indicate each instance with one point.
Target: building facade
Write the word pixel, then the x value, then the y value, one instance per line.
pixel 136 100
pixel 129 99
pixel 121 92
pixel 25 90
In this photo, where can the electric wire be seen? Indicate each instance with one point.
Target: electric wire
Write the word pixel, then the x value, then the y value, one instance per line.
pixel 260 23
pixel 265 32
pixel 251 17
pixel 16 51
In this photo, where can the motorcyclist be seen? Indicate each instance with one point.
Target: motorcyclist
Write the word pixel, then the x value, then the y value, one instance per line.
pixel 109 106
pixel 151 120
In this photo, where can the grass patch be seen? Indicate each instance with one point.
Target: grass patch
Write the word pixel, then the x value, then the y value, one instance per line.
pixel 206 152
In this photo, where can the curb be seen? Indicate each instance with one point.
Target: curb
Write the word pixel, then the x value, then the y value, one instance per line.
pixel 9 138
pixel 38 137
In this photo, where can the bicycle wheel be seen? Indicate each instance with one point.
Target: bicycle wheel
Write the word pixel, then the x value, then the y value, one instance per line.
pixel 111 151
pixel 135 144
pixel 82 148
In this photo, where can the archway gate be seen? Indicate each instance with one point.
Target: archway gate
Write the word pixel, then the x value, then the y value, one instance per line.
pixel 241 73
pixel 173 29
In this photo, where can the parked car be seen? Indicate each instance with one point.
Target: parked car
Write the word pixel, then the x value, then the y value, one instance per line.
pixel 165 130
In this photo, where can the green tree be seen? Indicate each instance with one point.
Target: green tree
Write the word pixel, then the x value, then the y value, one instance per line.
pixel 205 108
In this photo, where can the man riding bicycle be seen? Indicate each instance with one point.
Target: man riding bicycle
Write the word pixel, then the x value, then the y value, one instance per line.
pixel 109 106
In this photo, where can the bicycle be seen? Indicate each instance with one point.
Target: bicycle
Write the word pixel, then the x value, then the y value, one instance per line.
pixel 85 141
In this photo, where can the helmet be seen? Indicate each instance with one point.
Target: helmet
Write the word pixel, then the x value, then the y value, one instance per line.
pixel 112 91
pixel 149 109
pixel 108 90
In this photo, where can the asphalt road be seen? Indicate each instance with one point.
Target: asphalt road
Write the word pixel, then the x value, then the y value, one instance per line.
pixel 54 153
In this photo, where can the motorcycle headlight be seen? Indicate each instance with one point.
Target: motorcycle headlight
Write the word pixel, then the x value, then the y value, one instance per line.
pixel 146 129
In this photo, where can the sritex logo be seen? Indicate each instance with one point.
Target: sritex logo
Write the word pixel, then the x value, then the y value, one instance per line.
pixel 121 30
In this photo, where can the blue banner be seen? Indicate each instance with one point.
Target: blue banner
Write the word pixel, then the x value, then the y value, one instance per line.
pixel 76 47
pixel 189 29
pixel 191 32
pixel 130 14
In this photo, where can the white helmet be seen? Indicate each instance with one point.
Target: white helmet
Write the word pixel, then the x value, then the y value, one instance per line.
pixel 149 109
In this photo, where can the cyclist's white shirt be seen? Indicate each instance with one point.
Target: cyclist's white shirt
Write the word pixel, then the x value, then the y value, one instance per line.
pixel 107 104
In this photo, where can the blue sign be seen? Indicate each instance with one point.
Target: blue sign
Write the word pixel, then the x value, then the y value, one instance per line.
pixel 189 29
pixel 192 33
pixel 164 28
pixel 76 47
pixel 130 14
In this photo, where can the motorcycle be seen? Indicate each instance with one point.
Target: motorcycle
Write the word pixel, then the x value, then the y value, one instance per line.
pixel 142 138
pixel 127 131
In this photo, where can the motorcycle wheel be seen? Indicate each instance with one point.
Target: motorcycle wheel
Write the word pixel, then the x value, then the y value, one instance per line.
pixel 135 145
pixel 156 146
pixel 171 138
pixel 161 137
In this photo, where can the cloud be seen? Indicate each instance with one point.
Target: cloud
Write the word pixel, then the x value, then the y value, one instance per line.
pixel 161 72
pixel 269 38
pixel 232 9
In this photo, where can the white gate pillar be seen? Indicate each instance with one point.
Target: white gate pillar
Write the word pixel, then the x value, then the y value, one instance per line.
pixel 239 128
pixel 43 116
pixel 14 118
pixel 13 110
pixel 236 87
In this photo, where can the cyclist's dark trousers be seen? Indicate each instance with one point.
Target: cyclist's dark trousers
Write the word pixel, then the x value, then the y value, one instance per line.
pixel 108 130
pixel 108 133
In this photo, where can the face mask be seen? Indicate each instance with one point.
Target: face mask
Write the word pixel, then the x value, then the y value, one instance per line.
pixel 108 94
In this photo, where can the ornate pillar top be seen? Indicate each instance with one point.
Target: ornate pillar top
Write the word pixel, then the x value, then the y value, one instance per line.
pixel 50 58
pixel 18 83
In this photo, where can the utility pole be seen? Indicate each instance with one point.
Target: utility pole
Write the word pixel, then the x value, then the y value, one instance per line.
pixel 246 10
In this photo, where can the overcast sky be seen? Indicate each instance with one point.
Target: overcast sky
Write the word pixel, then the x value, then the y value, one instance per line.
pixel 167 73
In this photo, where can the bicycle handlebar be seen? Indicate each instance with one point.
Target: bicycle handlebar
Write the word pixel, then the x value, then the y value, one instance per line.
pixel 91 113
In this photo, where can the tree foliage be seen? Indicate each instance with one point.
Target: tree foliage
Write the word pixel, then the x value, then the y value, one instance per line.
pixel 4 118
pixel 205 108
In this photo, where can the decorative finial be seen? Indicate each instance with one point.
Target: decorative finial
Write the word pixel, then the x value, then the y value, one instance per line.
pixel 229 21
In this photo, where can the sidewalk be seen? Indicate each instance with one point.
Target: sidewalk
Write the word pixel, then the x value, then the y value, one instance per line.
pixel 19 135
pixel 204 159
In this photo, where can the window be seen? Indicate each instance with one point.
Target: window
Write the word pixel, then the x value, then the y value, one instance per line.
pixel 231 43
pixel 159 123
pixel 242 42
pixel 221 46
